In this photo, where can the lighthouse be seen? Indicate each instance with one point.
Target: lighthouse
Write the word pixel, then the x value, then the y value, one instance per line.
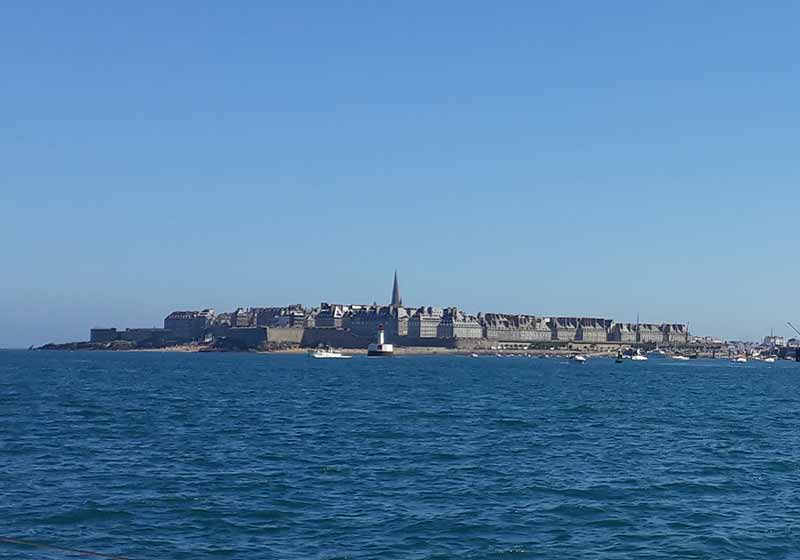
pixel 380 348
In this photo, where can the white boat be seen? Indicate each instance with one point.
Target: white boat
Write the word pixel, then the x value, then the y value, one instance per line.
pixel 739 360
pixel 680 357
pixel 770 359
pixel 638 356
pixel 328 354
pixel 473 355
pixel 579 359
pixel 380 348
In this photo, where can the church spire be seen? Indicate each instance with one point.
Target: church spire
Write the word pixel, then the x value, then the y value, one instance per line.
pixel 397 301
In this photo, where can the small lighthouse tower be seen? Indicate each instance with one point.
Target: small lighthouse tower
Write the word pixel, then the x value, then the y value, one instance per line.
pixel 380 348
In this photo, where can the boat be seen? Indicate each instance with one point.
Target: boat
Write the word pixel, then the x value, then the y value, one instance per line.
pixel 739 360
pixel 579 359
pixel 473 355
pixel 680 357
pixel 328 354
pixel 638 356
pixel 619 359
pixel 770 359
pixel 380 348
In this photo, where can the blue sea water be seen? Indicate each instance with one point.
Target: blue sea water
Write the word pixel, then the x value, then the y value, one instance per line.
pixel 187 456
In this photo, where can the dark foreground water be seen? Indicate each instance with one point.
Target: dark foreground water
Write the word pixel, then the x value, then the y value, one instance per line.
pixel 169 456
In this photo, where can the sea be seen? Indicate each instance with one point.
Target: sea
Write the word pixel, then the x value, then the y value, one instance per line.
pixel 254 456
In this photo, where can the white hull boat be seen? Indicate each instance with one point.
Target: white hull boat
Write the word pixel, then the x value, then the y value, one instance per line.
pixel 329 354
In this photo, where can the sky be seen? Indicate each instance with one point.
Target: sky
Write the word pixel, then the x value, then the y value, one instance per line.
pixel 551 158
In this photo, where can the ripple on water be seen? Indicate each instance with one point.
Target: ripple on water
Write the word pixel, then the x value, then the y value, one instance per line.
pixel 241 456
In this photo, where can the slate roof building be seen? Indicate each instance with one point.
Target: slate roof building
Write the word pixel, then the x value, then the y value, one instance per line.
pixel 425 322
pixel 456 324
pixel 189 325
pixel 564 328
pixel 515 328
pixel 592 329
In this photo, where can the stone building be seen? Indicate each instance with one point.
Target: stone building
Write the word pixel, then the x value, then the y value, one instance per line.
pixel 243 317
pixel 650 333
pixel 425 322
pixel 515 328
pixel 592 329
pixel 564 329
pixel 675 333
pixel 189 325
pixel 287 316
pixel 623 332
pixel 456 324
pixel 365 321
pixel 330 316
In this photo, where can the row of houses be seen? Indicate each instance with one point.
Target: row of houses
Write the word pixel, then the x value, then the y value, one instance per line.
pixel 448 323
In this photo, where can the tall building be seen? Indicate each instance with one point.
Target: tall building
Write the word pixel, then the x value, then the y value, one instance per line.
pixel 397 301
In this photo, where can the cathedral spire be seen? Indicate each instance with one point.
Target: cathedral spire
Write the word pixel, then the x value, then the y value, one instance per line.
pixel 397 301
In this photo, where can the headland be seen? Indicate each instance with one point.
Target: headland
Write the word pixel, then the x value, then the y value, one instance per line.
pixel 412 330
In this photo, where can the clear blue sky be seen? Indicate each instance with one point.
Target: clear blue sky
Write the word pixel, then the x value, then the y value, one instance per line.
pixel 591 158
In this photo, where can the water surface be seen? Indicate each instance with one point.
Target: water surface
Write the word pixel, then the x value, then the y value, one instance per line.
pixel 186 456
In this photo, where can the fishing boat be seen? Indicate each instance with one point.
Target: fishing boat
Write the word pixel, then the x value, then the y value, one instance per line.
pixel 328 354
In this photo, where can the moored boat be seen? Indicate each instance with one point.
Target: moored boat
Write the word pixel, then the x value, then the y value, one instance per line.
pixel 328 354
